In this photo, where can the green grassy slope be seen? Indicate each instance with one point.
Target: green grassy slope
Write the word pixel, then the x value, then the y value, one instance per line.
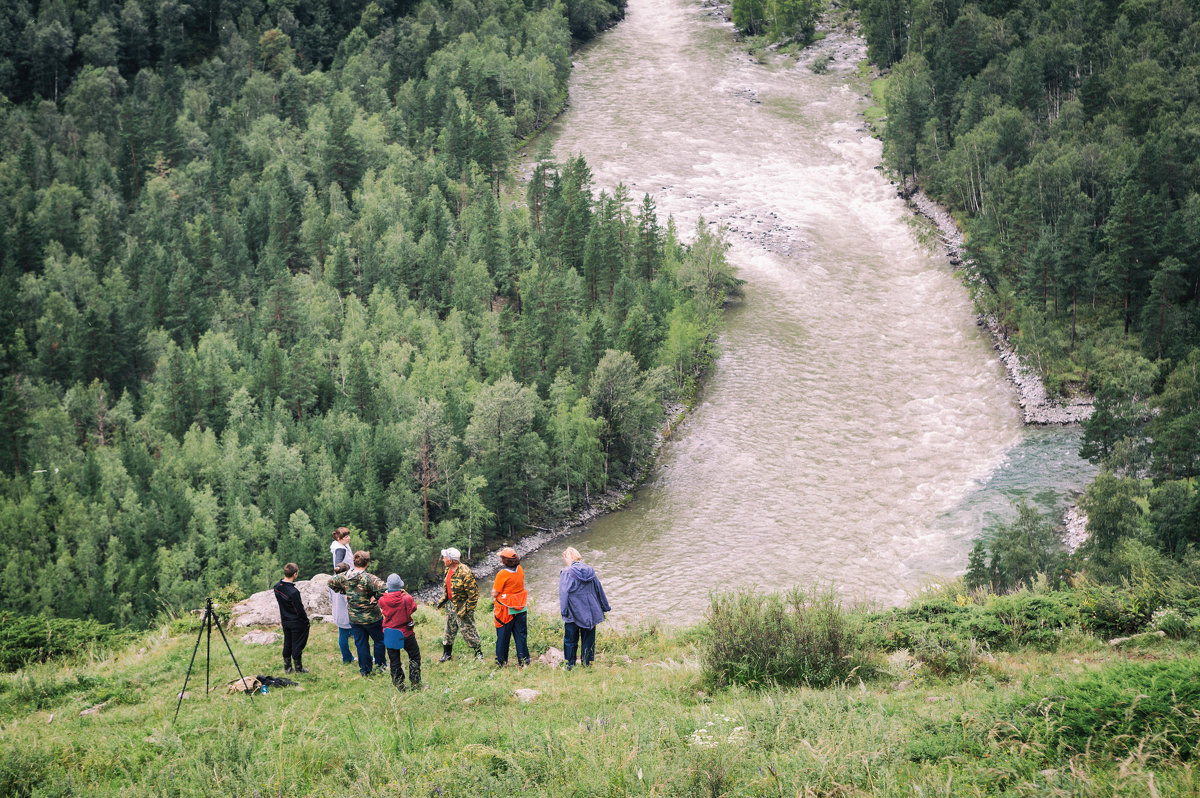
pixel 642 721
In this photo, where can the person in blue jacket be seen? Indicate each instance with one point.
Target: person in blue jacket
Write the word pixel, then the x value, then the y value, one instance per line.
pixel 583 604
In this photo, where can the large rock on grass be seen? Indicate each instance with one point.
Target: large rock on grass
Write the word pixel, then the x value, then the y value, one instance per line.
pixel 261 609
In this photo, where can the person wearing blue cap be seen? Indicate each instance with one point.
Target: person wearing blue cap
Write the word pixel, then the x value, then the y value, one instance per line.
pixel 398 634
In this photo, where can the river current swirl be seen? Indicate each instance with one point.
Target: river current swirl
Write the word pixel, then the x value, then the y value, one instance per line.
pixel 857 428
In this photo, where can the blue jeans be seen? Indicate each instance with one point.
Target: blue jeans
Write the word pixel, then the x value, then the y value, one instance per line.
pixel 516 628
pixel 574 635
pixel 344 644
pixel 373 631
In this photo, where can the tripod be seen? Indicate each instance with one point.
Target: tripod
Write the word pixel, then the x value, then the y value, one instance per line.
pixel 206 624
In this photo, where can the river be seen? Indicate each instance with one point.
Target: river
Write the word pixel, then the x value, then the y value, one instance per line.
pixel 858 428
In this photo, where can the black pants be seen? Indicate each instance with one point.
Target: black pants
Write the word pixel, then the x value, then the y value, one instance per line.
pixel 414 663
pixel 295 638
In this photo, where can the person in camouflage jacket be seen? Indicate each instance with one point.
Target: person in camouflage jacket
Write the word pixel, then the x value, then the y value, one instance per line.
pixel 460 597
pixel 362 592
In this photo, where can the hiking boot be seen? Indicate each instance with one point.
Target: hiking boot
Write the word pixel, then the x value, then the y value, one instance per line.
pixel 299 667
pixel 479 655
pixel 447 654
pixel 287 664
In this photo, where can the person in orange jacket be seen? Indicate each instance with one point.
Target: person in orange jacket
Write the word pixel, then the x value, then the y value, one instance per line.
pixel 511 601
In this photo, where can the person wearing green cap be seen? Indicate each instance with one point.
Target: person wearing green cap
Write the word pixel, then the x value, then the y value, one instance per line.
pixel 398 608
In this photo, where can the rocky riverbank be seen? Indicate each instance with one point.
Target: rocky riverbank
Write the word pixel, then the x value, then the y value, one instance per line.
pixel 1074 528
pixel 612 499
pixel 1038 406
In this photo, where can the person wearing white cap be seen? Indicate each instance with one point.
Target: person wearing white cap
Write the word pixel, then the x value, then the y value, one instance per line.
pixel 398 608
pixel 460 597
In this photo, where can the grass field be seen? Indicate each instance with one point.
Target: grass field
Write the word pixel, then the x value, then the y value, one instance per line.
pixel 643 721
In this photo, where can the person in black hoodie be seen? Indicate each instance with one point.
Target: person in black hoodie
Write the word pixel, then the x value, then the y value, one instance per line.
pixel 293 619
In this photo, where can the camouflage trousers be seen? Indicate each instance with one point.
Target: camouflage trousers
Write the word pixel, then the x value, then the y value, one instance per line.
pixel 466 625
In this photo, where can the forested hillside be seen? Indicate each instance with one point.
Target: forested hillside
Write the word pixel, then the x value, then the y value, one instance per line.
pixel 264 273
pixel 1066 138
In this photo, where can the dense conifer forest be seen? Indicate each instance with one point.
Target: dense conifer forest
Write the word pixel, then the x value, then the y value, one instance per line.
pixel 1065 136
pixel 265 271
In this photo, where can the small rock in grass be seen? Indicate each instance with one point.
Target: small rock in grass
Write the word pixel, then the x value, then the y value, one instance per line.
pixel 553 657
pixel 525 695
pixel 93 710
pixel 470 700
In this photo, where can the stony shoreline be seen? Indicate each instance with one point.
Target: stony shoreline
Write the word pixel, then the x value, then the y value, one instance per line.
pixel 1075 528
pixel 1037 406
pixel 611 500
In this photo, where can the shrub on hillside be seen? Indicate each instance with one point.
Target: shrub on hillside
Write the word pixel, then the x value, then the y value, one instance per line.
pixel 38 638
pixel 1152 708
pixel 1000 622
pixel 949 656
pixel 1172 623
pixel 26 773
pixel 1115 611
pixel 1148 709
pixel 223 599
pixel 795 638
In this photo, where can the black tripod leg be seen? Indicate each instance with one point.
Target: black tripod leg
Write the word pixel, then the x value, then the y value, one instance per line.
pixel 217 621
pixel 208 613
pixel 190 664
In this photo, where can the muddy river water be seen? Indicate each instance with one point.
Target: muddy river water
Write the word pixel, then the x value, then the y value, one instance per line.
pixel 858 428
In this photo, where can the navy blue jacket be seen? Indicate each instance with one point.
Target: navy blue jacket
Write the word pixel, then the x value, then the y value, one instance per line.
pixel 581 596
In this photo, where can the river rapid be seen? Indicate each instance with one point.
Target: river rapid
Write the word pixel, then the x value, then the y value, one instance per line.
pixel 858 428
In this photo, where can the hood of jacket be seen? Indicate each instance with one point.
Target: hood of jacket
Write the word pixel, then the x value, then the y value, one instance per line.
pixel 582 572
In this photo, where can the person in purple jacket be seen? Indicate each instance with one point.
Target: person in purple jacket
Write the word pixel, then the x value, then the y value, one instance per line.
pixel 583 604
